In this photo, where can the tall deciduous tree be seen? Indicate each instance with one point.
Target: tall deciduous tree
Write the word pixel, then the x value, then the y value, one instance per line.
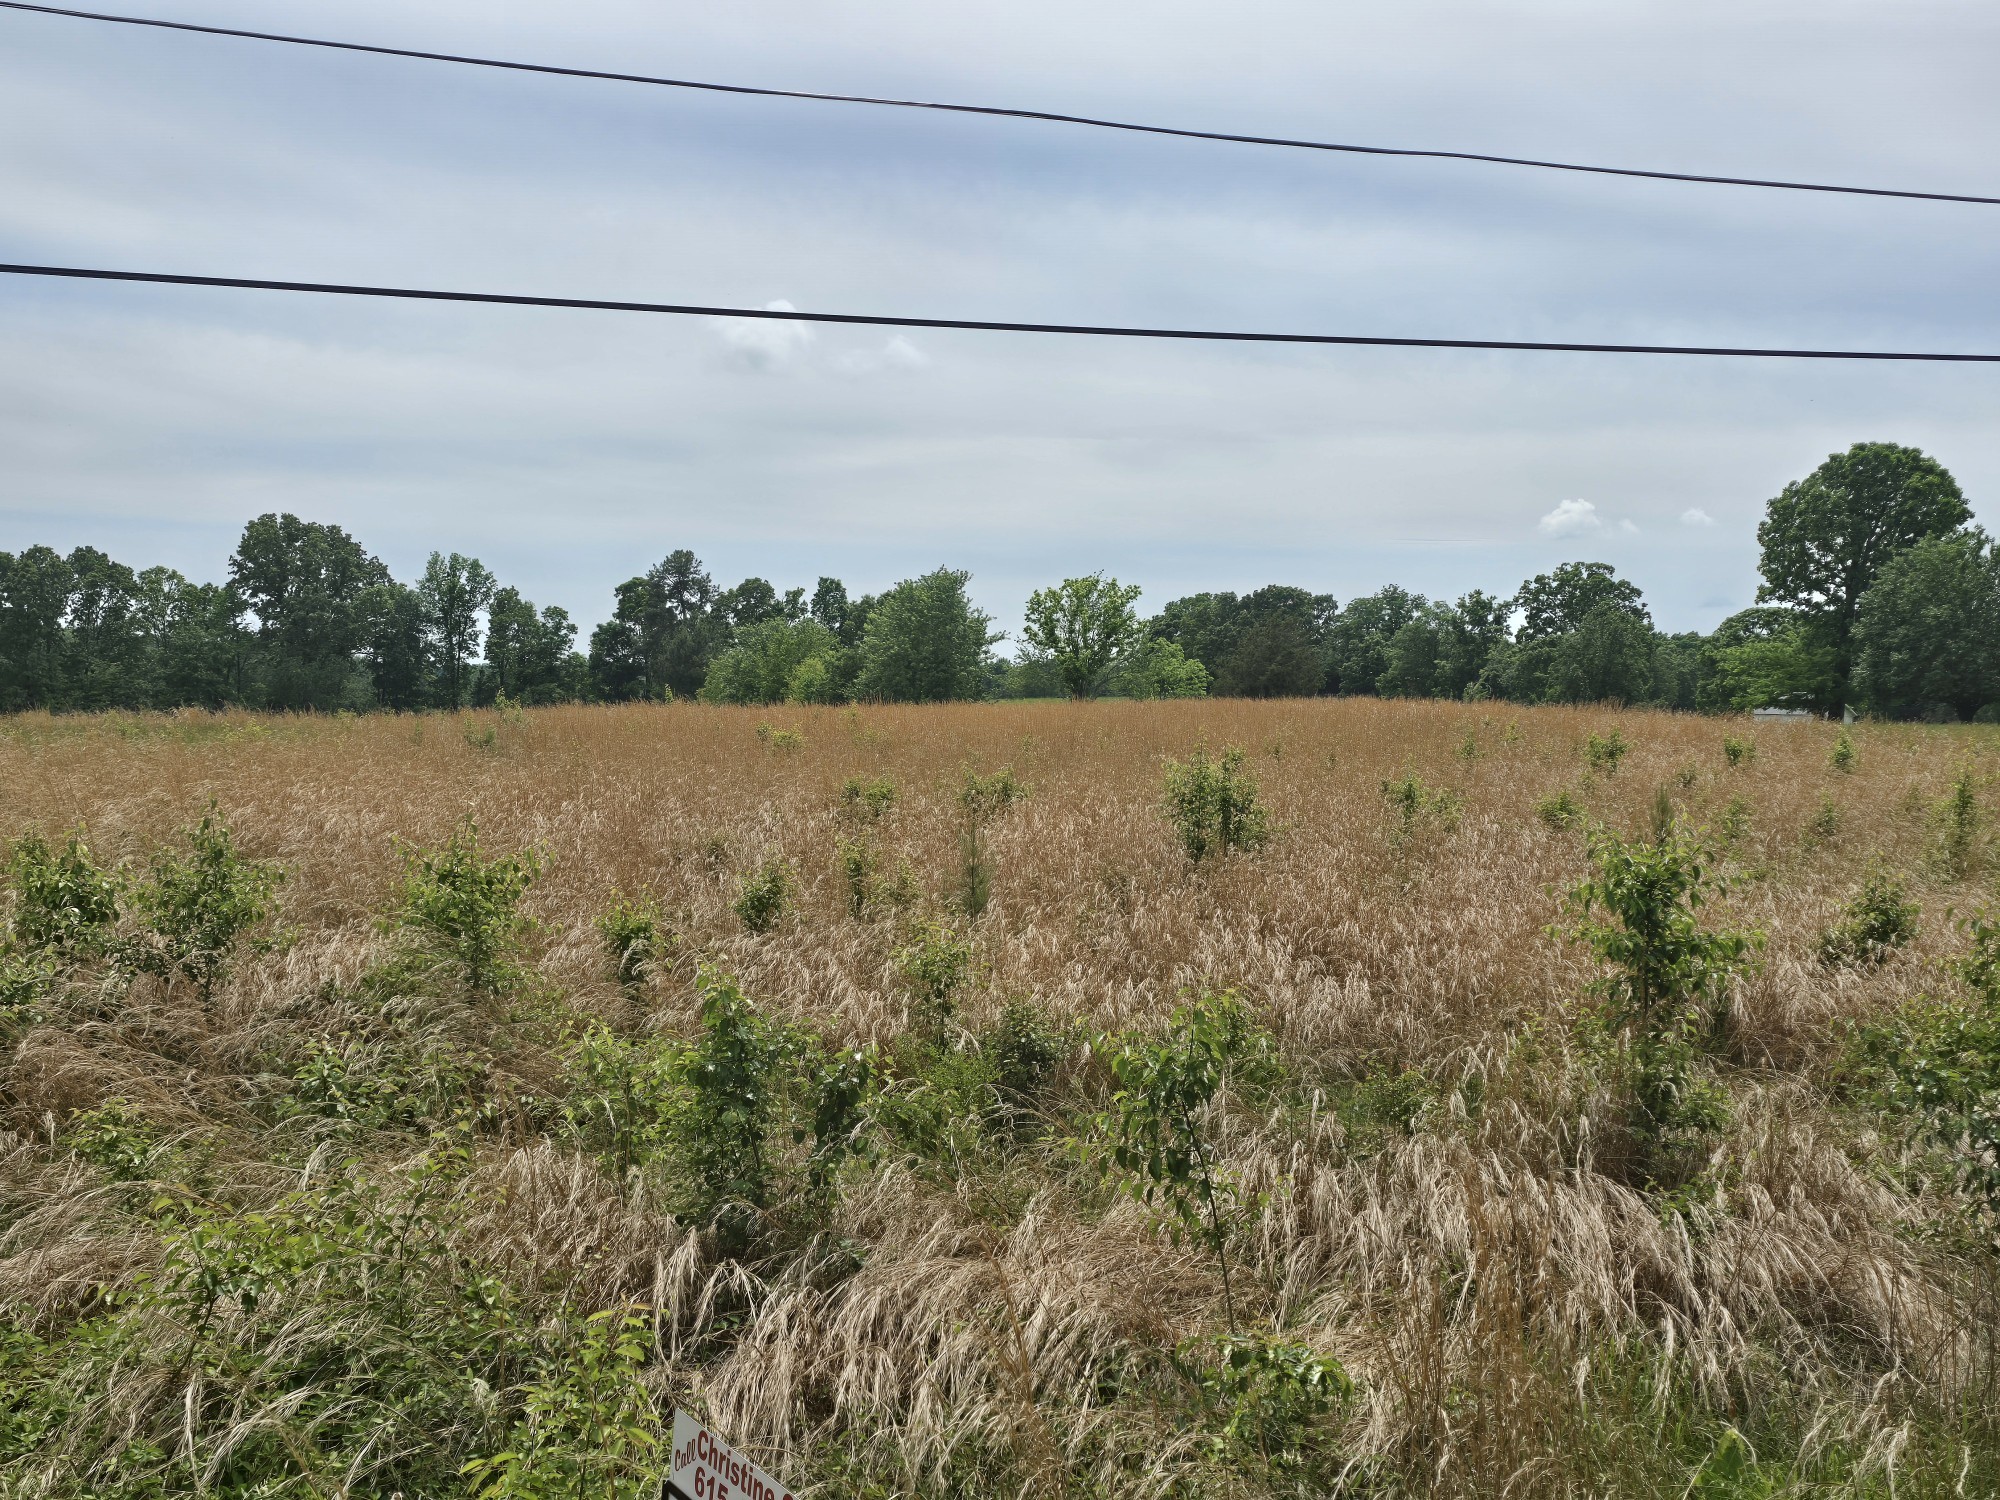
pixel 925 642
pixel 1082 626
pixel 453 591
pixel 1927 635
pixel 303 581
pixel 1553 604
pixel 661 634
pixel 1826 538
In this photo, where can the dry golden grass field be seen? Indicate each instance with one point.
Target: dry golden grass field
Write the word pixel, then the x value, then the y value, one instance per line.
pixel 334 1219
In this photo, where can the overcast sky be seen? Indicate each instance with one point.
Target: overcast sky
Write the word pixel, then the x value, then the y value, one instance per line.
pixel 569 450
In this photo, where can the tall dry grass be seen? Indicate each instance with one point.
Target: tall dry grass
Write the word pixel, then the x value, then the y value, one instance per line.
pixel 1521 1315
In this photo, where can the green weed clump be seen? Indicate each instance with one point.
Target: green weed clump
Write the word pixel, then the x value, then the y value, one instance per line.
pixel 635 938
pixel 1419 807
pixel 936 964
pixel 982 799
pixel 1265 1403
pixel 1877 922
pixel 869 799
pixel 1842 756
pixel 764 896
pixel 465 907
pixel 1738 752
pixel 1212 804
pixel 1955 828
pixel 1603 752
pixel 1560 810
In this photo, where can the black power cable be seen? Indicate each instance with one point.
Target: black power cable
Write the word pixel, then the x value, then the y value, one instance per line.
pixel 876 320
pixel 1050 116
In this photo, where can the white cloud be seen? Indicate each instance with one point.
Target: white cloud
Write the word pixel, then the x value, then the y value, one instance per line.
pixel 764 343
pixel 1694 515
pixel 897 354
pixel 1630 528
pixel 1571 518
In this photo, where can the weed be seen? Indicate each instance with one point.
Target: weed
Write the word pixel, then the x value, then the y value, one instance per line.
pixel 1468 747
pixel 1825 822
pixel 1734 824
pixel 1842 757
pixel 982 798
pixel 1936 1068
pixel 1738 752
pixel 1266 1398
pixel 1875 924
pixel 764 896
pixel 1024 1051
pixel 1560 811
pixel 196 906
pixel 1418 807
pixel 622 1100
pixel 1212 804
pixel 869 799
pixel 116 1139
pixel 635 939
pixel 463 906
pixel 731 1075
pixel 1955 825
pixel 1687 776
pixel 1603 752
pixel 780 741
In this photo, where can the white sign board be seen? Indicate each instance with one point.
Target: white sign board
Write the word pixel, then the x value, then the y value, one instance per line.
pixel 706 1468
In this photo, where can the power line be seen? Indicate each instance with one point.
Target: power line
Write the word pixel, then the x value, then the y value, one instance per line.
pixel 1049 116
pixel 982 325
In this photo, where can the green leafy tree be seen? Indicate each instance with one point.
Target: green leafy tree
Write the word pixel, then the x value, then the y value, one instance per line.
pixel 452 592
pixel 1553 604
pixel 200 649
pixel 1212 803
pixel 925 643
pixel 1082 626
pixel 199 904
pixel 397 647
pixel 1159 669
pixel 108 657
pixel 1608 658
pixel 465 906
pixel 35 591
pixel 303 581
pixel 1357 642
pixel 764 664
pixel 1827 537
pixel 530 655
pixel 1766 655
pixel 1927 634
pixel 662 633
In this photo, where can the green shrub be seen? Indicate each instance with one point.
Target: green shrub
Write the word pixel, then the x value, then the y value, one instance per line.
pixel 1842 757
pixel 1955 826
pixel 1560 811
pixel 1734 824
pixel 1024 1051
pixel 764 896
pixel 634 937
pixel 116 1139
pixel 588 1428
pixel 623 1100
pixel 1419 807
pixel 195 906
pixel 374 1086
pixel 464 906
pixel 1666 976
pixel 1212 804
pixel 1738 752
pixel 1935 1068
pixel 1875 924
pixel 1158 1129
pixel 63 902
pixel 982 798
pixel 936 964
pixel 780 741
pixel 1603 752
pixel 1267 1400
pixel 1825 821
pixel 732 1079
pixel 869 799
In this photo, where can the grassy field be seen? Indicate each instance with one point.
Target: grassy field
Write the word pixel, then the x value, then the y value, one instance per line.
pixel 351 1202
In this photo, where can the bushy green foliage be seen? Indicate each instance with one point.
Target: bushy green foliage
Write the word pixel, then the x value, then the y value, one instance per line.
pixel 1956 822
pixel 464 906
pixel 1212 803
pixel 1603 752
pixel 1560 810
pixel 197 905
pixel 1875 924
pixel 1666 975
pixel 764 896
pixel 623 1100
pixel 1738 752
pixel 982 798
pixel 1842 756
pixel 635 938
pixel 1024 1051
pixel 1419 807
pixel 780 741
pixel 731 1074
pixel 936 964
pixel 374 1085
pixel 64 902
pixel 1158 1129
pixel 1267 1400
pixel 870 798
pixel 115 1138
pixel 588 1426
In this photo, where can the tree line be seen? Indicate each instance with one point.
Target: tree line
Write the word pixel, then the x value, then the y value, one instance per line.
pixel 1878 593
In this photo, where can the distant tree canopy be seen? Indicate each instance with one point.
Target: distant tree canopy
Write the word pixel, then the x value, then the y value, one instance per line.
pixel 1876 593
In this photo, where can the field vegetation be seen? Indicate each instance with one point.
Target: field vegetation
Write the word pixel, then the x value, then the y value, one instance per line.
pixel 1291 1097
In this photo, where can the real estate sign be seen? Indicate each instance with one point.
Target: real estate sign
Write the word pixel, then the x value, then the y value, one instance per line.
pixel 706 1468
